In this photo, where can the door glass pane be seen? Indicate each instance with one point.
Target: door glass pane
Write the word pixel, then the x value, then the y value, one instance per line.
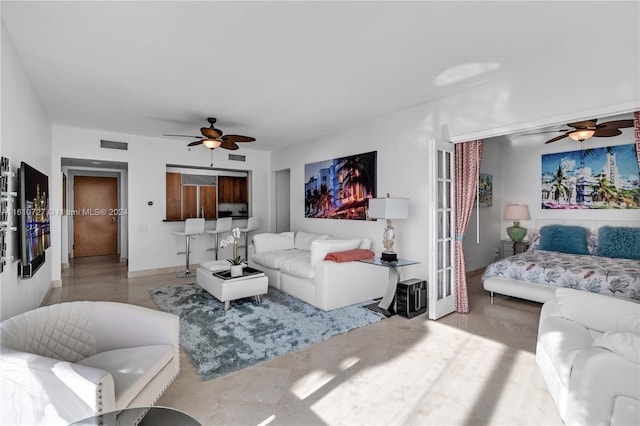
pixel 441 225
pixel 440 284
pixel 447 160
pixel 449 288
pixel 441 195
pixel 440 164
pixel 440 255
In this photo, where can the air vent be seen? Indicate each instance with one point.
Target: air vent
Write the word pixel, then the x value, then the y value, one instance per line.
pixel 113 145
pixel 188 179
pixel 235 157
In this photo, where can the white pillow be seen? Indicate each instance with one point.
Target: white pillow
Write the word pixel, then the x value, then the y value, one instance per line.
pixel 320 248
pixel 365 244
pixel 625 344
pixel 272 242
pixel 304 240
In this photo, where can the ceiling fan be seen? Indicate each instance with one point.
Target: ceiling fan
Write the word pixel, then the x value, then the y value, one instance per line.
pixel 583 130
pixel 213 138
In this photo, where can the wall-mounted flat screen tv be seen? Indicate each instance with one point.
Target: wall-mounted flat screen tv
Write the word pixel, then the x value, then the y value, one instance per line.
pixel 34 219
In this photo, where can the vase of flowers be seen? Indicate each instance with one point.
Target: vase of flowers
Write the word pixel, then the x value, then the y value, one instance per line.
pixel 237 263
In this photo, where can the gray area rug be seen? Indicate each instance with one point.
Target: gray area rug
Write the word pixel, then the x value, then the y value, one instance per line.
pixel 219 343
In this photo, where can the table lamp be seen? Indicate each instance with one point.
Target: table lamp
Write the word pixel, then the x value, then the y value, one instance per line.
pixel 516 212
pixel 389 208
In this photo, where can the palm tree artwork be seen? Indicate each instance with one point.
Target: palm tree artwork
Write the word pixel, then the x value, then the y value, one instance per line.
pixel 339 188
pixel 596 178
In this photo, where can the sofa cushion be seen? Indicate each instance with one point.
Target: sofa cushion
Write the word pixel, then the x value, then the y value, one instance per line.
pixel 131 368
pixel 303 240
pixel 625 344
pixel 271 242
pixel 274 259
pixel 299 266
pixel 562 340
pixel 594 310
pixel 320 248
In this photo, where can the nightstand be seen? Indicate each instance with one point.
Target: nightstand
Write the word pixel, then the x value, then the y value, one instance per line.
pixel 509 248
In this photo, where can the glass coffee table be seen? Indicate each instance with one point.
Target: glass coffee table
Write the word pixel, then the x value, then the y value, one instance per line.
pixel 142 416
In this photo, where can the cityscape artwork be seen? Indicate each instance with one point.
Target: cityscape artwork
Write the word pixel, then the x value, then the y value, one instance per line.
pixel 340 188
pixel 596 178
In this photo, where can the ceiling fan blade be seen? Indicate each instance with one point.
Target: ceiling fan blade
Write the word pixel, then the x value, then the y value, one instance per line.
pixel 210 132
pixel 238 138
pixel 185 136
pixel 557 138
pixel 607 132
pixel 229 145
pixel 583 124
pixel 196 143
pixel 617 124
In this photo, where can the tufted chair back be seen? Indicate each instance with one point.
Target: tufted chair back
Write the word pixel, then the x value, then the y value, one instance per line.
pixel 63 331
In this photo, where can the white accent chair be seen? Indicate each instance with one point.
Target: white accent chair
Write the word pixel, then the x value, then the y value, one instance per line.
pixel 192 227
pixel 253 223
pixel 66 362
pixel 222 225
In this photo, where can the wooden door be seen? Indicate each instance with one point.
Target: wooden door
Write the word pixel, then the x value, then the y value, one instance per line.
pixel 95 226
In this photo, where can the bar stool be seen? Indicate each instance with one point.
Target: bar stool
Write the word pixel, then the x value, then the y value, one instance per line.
pixel 222 225
pixel 191 227
pixel 252 224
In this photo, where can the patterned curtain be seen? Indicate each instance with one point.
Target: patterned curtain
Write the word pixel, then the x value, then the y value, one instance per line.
pixel 468 156
pixel 636 125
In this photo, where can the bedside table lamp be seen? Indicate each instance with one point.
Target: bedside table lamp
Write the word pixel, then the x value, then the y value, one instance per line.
pixel 389 208
pixel 516 212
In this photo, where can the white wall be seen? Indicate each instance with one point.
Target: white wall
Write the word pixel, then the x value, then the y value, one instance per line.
pixel 521 170
pixel 151 242
pixel 26 136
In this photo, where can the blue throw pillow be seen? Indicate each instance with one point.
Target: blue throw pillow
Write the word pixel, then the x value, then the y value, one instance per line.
pixel 619 241
pixel 565 239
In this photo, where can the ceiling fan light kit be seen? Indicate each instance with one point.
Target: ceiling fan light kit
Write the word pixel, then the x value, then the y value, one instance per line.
pixel 581 135
pixel 212 143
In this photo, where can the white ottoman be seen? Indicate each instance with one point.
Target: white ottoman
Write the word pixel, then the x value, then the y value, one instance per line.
pixel 228 289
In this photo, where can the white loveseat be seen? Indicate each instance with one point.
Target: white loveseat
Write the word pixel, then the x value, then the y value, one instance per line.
pixel 588 351
pixel 294 263
pixel 69 361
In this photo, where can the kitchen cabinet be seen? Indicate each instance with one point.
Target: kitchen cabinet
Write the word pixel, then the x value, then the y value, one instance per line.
pixel 232 189
pixel 173 196
pixel 208 204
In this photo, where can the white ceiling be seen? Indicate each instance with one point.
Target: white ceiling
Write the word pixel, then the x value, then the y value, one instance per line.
pixel 285 72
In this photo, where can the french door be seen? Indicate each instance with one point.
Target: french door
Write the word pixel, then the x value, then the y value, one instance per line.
pixel 442 230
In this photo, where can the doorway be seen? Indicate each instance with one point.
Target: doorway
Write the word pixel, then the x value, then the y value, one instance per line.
pixel 283 202
pixel 95 221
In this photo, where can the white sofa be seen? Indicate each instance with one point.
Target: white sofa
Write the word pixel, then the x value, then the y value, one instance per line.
pixel 294 263
pixel 588 352
pixel 69 361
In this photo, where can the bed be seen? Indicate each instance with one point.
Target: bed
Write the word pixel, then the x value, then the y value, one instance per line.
pixel 597 257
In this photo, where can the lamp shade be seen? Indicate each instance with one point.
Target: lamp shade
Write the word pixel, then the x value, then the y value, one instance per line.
pixel 389 208
pixel 582 134
pixel 517 212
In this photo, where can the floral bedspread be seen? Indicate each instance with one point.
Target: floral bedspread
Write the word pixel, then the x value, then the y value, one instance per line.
pixel 613 277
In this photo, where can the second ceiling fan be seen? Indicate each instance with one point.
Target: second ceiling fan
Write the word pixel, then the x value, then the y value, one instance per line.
pixel 214 138
pixel 583 130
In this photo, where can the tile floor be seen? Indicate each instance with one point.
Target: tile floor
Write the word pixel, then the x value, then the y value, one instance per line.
pixel 474 369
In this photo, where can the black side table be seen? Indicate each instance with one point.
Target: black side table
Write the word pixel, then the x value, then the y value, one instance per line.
pixel 386 305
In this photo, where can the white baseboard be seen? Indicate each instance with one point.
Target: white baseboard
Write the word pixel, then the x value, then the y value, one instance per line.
pixel 160 271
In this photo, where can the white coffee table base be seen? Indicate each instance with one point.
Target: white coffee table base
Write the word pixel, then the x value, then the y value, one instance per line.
pixel 228 290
